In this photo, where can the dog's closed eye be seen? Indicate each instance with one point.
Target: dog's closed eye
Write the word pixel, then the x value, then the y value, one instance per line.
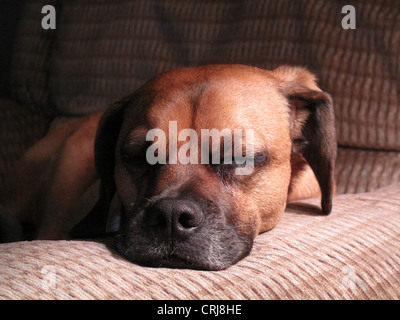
pixel 133 152
pixel 226 171
pixel 134 160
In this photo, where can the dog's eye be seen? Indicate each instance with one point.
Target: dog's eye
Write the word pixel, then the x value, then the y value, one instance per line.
pixel 134 160
pixel 226 171
pixel 258 159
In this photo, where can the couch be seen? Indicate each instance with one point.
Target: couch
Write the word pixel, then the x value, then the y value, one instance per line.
pixel 103 50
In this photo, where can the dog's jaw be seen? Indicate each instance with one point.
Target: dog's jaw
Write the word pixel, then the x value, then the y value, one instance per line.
pixel 215 246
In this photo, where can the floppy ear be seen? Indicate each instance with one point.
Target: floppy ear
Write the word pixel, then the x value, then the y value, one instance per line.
pixel 312 124
pixel 104 154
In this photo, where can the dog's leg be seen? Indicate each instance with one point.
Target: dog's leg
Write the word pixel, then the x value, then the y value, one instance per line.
pixel 19 194
pixel 50 177
pixel 74 173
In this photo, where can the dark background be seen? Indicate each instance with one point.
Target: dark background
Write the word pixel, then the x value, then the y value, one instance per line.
pixel 9 16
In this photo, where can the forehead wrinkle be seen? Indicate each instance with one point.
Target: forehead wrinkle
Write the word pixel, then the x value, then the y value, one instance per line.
pixel 218 108
pixel 178 105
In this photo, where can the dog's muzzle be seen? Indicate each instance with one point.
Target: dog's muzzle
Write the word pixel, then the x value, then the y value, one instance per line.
pixel 182 233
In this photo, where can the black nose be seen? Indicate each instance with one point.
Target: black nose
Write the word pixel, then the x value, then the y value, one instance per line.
pixel 175 219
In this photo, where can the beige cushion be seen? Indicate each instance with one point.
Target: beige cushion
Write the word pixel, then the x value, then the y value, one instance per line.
pixel 354 253
pixel 359 170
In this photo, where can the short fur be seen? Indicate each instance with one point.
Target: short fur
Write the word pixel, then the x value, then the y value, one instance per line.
pixel 294 127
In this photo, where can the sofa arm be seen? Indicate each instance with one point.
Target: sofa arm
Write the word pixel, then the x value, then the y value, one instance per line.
pixel 350 254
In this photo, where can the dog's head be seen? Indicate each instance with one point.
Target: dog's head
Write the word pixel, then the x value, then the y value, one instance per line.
pixel 200 159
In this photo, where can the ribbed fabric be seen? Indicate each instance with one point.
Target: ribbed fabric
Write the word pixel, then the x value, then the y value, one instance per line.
pixel 352 254
pixel 366 170
pixel 102 50
pixel 31 60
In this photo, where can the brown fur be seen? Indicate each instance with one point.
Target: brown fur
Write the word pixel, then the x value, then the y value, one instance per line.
pixel 284 107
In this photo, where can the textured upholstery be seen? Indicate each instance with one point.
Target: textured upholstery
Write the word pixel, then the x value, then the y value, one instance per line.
pixel 102 50
pixel 348 255
pixel 366 170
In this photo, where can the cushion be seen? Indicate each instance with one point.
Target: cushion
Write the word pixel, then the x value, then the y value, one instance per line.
pixel 102 51
pixel 31 61
pixel 354 253
pixel 359 170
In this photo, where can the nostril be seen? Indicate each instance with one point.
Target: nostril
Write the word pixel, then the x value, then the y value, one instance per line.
pixel 187 220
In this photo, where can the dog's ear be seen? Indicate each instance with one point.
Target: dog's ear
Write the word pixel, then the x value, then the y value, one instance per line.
pixel 312 127
pixel 104 154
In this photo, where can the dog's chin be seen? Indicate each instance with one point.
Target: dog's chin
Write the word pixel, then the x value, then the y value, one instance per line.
pixel 208 255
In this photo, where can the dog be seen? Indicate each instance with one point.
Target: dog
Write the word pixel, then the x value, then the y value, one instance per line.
pixel 182 215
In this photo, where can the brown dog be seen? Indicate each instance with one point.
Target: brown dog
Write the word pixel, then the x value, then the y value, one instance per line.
pixel 184 215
